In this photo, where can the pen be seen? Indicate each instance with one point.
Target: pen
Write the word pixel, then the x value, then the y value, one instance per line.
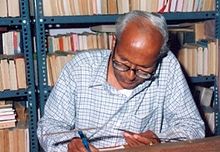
pixel 84 140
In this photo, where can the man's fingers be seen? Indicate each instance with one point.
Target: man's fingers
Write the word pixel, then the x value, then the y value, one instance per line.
pixel 150 135
pixel 76 146
pixel 93 149
pixel 131 141
pixel 143 140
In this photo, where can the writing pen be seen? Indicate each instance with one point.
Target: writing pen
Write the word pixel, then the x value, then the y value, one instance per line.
pixel 84 140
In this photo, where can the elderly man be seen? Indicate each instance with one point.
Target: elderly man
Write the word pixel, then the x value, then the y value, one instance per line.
pixel 130 96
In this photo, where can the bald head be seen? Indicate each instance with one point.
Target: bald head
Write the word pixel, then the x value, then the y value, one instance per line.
pixel 142 40
pixel 150 24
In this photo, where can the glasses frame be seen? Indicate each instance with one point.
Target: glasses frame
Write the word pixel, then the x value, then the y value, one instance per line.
pixel 138 72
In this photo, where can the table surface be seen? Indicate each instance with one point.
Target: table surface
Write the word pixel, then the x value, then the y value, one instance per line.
pixel 209 144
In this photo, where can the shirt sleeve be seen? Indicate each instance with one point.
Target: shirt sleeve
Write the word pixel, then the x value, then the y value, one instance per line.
pixel 59 114
pixel 180 111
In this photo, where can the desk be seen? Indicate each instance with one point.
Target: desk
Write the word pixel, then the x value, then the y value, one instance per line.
pixel 209 144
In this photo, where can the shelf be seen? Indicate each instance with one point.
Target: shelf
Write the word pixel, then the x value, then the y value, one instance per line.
pixel 110 19
pixel 188 16
pixel 203 79
pixel 13 93
pixel 8 21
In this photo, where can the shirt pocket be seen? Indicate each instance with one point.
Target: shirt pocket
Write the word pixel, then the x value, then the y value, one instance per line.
pixel 141 121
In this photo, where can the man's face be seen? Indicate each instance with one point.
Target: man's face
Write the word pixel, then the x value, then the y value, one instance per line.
pixel 139 53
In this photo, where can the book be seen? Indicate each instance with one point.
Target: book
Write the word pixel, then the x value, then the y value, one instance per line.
pixel 112 7
pixel 47 8
pixel 200 61
pixel 21 72
pixel 4 105
pixel 12 140
pixel 1 78
pixel 6 117
pixel 22 140
pixel 4 144
pixel 134 4
pixel 143 5
pixel 205 95
pixel 123 6
pixel 210 121
pixel 13 8
pixel 104 6
pixel 103 28
pixel 7 124
pixel 49 72
pixel 173 6
pixel 6 113
pixel 6 109
pixel 3 8
pixel 6 139
pixel 213 58
pixel 4 69
pixel 179 6
pixel 12 75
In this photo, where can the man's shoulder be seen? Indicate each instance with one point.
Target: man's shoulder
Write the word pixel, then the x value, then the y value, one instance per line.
pixel 170 58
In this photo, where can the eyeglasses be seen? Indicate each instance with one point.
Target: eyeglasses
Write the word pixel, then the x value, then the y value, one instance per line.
pixel 140 73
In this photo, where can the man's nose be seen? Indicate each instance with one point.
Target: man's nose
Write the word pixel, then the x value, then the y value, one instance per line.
pixel 132 74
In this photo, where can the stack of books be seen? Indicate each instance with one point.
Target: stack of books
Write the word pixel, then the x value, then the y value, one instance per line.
pixel 7 116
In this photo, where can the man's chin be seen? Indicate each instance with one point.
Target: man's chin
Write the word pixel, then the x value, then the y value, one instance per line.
pixel 128 86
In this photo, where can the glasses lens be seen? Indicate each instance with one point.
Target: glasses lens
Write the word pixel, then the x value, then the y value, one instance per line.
pixel 120 66
pixel 144 74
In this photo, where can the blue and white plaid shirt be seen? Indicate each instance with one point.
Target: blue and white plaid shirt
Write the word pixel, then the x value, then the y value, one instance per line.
pixel 82 98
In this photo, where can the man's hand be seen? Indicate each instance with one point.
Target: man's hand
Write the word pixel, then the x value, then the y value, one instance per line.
pixel 145 138
pixel 76 145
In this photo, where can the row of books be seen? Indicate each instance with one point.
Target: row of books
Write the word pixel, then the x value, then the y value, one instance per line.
pixel 14 132
pixel 196 60
pixel 10 43
pixel 9 8
pixel 7 116
pixel 199 60
pixel 12 73
pixel 55 63
pixel 101 36
pixel 75 41
pixel 14 140
pixel 91 7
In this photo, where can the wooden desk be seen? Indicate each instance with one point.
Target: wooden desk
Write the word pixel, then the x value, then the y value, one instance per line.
pixel 210 144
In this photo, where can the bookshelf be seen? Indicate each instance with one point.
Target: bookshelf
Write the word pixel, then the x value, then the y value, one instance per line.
pixel 43 23
pixel 23 23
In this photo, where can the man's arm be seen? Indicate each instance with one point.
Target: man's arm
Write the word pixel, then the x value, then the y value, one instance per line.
pixel 58 115
pixel 180 111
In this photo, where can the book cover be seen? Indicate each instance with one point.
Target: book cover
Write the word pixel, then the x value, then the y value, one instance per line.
pixel 4 117
pixel 7 124
pixel 205 95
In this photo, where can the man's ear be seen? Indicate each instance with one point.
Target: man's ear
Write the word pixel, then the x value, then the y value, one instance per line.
pixel 113 41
